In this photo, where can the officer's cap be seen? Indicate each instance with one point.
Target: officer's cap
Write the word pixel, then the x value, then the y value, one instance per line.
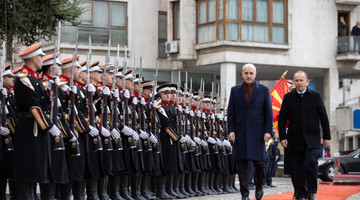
pixel 7 71
pixel 32 51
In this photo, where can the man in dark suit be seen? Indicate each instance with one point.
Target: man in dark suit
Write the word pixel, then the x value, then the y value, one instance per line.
pixel 250 123
pixel 303 108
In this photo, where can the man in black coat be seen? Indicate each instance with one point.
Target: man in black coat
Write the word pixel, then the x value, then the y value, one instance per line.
pixel 303 109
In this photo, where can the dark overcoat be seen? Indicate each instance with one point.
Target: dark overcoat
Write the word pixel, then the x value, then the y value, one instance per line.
pixel 250 121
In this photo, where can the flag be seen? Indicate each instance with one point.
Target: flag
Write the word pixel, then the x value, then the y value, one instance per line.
pixel 277 96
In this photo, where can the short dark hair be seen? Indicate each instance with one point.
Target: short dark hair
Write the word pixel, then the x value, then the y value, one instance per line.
pixel 301 71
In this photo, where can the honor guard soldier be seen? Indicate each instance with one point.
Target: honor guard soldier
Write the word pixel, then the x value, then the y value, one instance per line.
pixel 7 133
pixel 32 139
pixel 60 179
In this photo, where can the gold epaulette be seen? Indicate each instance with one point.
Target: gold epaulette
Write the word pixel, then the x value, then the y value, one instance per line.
pixel 21 75
pixel 63 83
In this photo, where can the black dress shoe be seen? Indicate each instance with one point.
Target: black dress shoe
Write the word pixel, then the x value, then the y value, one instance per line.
pixel 311 197
pixel 259 194
pixel 245 198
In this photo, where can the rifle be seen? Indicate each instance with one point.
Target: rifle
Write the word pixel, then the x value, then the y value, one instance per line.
pixel 114 109
pixel 58 140
pixel 211 122
pixel 97 145
pixel 226 136
pixel 145 142
pixel 7 139
pixel 104 105
pixel 133 111
pixel 185 117
pixel 155 146
pixel 219 130
pixel 205 149
pixel 183 147
pixel 197 120
pixel 193 121
pixel 125 105
pixel 74 146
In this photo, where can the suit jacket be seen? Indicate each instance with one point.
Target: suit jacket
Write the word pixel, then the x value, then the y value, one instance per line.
pixel 250 121
pixel 303 115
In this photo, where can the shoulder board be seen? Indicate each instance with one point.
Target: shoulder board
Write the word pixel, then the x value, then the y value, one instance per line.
pixel 21 75
pixel 26 81
pixel 45 83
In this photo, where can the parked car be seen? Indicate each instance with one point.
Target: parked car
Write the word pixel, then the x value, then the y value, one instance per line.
pixel 350 164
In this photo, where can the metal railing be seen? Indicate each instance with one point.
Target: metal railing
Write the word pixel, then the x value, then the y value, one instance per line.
pixel 348 45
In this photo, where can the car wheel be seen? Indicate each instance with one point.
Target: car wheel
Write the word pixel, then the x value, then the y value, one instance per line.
pixel 330 172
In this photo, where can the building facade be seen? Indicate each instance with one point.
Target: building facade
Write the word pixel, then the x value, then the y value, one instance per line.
pixel 213 39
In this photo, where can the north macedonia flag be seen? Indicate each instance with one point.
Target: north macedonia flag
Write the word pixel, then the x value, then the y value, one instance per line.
pixel 277 95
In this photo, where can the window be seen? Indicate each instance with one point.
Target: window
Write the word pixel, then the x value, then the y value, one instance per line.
pixel 245 20
pixel 103 20
pixel 162 34
pixel 176 22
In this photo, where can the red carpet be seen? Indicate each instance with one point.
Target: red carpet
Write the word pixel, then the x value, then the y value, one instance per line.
pixel 324 193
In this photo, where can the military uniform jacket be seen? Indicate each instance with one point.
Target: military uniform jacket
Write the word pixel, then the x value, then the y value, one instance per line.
pixel 32 141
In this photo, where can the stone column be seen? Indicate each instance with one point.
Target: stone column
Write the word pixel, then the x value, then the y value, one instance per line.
pixel 330 90
pixel 346 143
pixel 227 79
pixel 355 142
pixel 187 30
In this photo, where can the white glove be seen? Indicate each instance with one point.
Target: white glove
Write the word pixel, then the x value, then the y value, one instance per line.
pixel 155 104
pixel 197 140
pixel 218 142
pixel 115 93
pixel 115 134
pixel 4 92
pixel 4 131
pixel 203 143
pixel 57 81
pixel 91 88
pixel 73 139
pixel 126 94
pixel 127 131
pixel 193 144
pixel 191 113
pixel 135 101
pixel 179 108
pixel 49 85
pixel 58 103
pixel 203 116
pixel 105 132
pixel 135 136
pixel 187 139
pixel 227 143
pixel 182 139
pixel 187 110
pixel 212 116
pixel 143 134
pixel 6 110
pixel 211 140
pixel 142 101
pixel 198 114
pixel 153 139
pixel 54 131
pixel 219 116
pixel 93 131
pixel 106 91
pixel 225 118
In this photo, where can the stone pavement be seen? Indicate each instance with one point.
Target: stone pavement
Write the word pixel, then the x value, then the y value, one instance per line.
pixel 283 185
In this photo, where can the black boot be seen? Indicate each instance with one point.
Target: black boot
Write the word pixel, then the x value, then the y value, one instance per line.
pixel 114 184
pixel 46 190
pixel 26 190
pixel 160 190
pixel 152 188
pixel 176 186
pixel 92 190
pixel 102 188
pixel 194 184
pixel 232 183
pixel 169 186
pixel 206 184
pixel 135 188
pixel 3 183
pixel 78 190
pixel 13 189
pixel 225 184
pixel 217 183
pixel 201 183
pixel 144 191
pixel 210 183
pixel 63 191
pixel 124 187
pixel 187 182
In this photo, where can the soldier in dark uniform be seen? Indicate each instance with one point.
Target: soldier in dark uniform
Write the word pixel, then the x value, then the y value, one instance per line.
pixel 7 133
pixel 32 139
pixel 58 158
pixel 169 148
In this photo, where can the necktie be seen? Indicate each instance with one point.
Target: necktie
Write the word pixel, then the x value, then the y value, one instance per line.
pixel 301 95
